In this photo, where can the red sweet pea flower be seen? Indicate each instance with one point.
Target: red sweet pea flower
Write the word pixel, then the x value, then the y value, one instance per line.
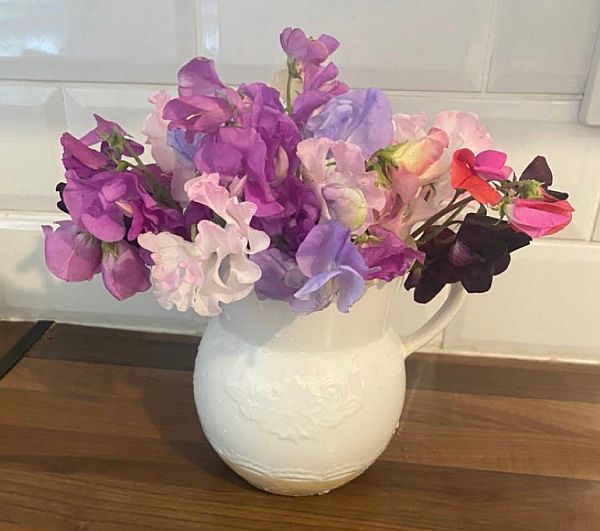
pixel 472 173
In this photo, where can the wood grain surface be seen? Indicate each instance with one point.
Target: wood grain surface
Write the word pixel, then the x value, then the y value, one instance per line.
pixel 98 431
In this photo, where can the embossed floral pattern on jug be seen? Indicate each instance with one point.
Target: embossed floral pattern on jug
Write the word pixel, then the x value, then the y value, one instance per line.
pixel 301 404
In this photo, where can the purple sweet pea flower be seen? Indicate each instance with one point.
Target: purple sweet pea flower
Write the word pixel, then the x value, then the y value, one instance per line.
pixel 80 158
pixel 389 257
pixel 306 56
pixel 124 272
pixel 363 117
pixel 304 49
pixel 71 254
pixel 204 102
pixel 301 213
pixel 333 266
pixel 112 205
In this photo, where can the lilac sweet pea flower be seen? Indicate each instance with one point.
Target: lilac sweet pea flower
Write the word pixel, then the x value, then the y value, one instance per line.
pixel 389 257
pixel 281 277
pixel 333 266
pixel 124 272
pixel 363 117
pixel 71 254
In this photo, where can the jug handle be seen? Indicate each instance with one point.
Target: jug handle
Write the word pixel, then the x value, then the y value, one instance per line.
pixel 440 320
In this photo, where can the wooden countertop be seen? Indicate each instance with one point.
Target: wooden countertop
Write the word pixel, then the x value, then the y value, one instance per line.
pixel 98 431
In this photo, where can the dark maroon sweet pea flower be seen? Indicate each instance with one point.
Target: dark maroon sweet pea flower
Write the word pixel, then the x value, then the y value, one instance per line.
pixel 538 170
pixel 473 256
pixel 388 256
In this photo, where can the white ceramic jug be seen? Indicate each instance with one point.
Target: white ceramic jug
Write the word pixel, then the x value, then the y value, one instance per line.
pixel 301 404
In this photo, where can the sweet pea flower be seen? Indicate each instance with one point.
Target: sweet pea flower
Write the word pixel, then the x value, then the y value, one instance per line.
pixel 204 102
pixel 307 50
pixel 113 205
pixel 333 266
pixel 539 217
pixel 214 268
pixel 207 191
pixel 420 158
pixel 472 173
pixel 388 256
pixel 280 278
pixel 156 129
pixel 362 117
pixel 202 274
pixel 71 254
pixel 473 256
pixel 347 191
pixel 124 272
pixel 464 130
pixel 451 130
pixel 305 64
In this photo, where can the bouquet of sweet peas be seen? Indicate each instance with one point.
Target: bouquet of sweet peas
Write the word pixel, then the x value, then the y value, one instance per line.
pixel 303 191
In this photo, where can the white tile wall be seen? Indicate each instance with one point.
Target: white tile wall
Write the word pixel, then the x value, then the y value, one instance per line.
pixel 108 57
pixel 140 41
pixel 31 121
pixel 543 46
pixel 544 304
pixel 413 44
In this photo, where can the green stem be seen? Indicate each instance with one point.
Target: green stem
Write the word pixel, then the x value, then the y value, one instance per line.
pixel 288 90
pixel 156 188
pixel 432 234
pixel 447 210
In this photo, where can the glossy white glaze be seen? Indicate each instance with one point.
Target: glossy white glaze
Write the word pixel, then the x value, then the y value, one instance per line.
pixel 301 404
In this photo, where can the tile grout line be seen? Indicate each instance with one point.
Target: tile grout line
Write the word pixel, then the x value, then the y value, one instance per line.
pixel 490 45
pixel 22 346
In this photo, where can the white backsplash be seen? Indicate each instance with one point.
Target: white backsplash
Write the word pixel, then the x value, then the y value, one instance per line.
pixel 520 64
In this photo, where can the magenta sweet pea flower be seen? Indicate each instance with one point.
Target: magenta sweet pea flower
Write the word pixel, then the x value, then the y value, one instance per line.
pixel 363 117
pixel 204 102
pixel 113 205
pixel 71 254
pixel 388 256
pixel 307 50
pixel 124 272
pixel 333 266
pixel 540 217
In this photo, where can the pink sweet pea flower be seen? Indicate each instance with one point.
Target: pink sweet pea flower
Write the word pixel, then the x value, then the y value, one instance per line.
pixel 155 128
pixel 214 268
pixel 540 217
